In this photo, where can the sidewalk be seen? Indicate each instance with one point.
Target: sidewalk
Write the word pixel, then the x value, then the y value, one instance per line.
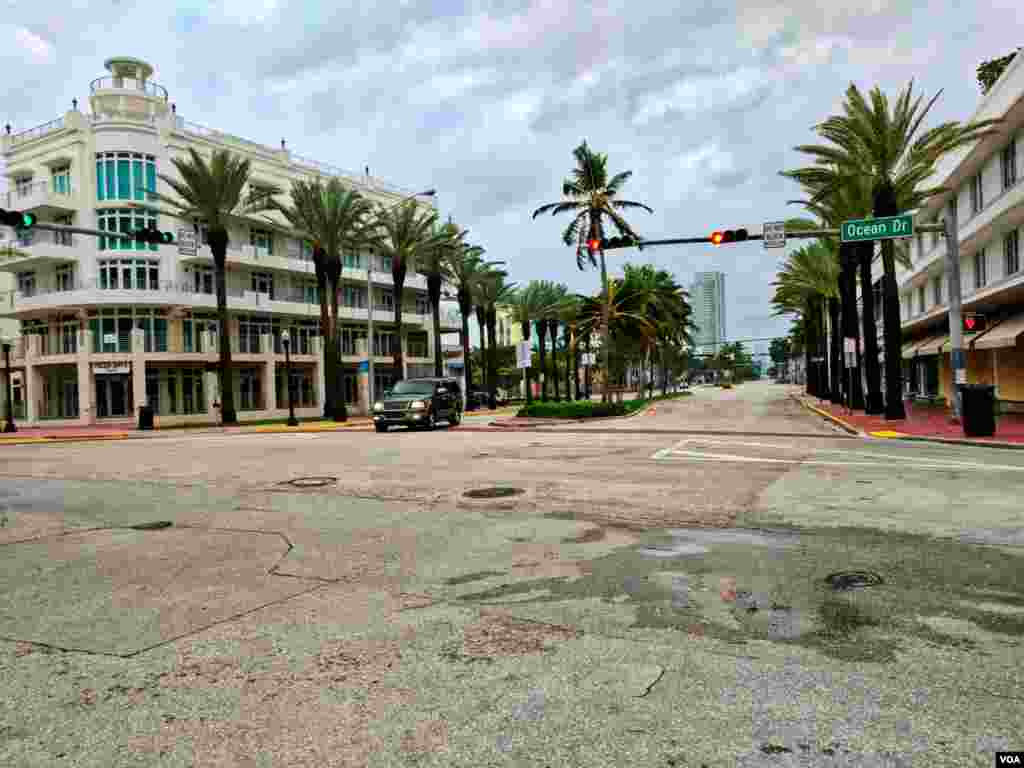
pixel 921 423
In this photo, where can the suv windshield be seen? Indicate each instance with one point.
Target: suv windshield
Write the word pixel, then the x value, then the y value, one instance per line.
pixel 413 388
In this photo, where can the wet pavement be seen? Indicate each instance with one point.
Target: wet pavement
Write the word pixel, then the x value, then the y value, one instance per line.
pixel 641 598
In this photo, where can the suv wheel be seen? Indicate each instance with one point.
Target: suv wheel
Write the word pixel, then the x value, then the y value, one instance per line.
pixel 454 417
pixel 381 427
pixel 431 421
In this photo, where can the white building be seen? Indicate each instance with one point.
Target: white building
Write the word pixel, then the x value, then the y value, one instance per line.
pixel 707 297
pixel 108 324
pixel 988 186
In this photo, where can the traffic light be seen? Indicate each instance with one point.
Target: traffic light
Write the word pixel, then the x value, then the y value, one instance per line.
pixel 593 244
pixel 153 236
pixel 17 219
pixel 974 323
pixel 719 237
pixel 625 241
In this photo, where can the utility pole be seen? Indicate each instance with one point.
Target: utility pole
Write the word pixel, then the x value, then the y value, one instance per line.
pixel 956 331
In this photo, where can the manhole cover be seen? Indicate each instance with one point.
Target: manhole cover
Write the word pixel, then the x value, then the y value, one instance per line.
pixel 154 526
pixel 310 482
pixel 853 580
pixel 492 493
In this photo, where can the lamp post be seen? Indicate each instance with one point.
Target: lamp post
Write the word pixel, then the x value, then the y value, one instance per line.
pixel 9 424
pixel 286 340
pixel 369 301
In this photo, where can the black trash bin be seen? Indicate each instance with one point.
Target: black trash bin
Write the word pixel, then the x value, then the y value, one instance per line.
pixel 146 417
pixel 978 402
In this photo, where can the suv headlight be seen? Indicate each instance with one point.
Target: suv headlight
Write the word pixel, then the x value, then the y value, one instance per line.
pixel 418 405
pixel 378 406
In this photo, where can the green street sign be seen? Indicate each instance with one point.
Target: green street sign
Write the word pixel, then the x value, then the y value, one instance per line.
pixel 884 228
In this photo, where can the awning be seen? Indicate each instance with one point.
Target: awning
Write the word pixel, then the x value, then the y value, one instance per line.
pixel 1003 335
pixel 929 346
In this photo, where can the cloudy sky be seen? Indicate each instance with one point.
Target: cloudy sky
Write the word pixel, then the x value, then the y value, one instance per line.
pixel 485 101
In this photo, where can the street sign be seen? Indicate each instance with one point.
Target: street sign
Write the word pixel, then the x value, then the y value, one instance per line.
pixel 885 228
pixel 523 354
pixel 110 338
pixel 774 234
pixel 186 242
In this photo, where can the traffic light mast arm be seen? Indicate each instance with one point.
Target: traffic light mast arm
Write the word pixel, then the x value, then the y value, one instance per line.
pixel 789 234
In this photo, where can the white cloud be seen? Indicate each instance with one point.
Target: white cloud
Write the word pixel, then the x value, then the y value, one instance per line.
pixel 700 94
pixel 248 12
pixel 32 43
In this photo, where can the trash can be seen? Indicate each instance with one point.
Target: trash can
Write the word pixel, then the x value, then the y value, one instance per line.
pixel 978 403
pixel 145 417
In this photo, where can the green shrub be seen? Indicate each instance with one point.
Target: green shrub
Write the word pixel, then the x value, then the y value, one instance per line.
pixel 583 409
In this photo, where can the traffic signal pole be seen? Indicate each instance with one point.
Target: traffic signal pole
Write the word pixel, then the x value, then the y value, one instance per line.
pixel 956 331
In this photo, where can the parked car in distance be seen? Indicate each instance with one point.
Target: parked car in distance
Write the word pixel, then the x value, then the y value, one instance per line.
pixel 419 404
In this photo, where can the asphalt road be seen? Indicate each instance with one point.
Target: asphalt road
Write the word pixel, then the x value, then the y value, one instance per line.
pixel 666 590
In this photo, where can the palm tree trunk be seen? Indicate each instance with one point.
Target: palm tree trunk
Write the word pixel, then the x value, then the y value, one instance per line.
pixel 481 322
pixel 398 277
pixel 525 328
pixel 330 360
pixel 586 373
pixel 605 327
pixel 465 308
pixel 553 328
pixel 542 336
pixel 873 400
pixel 809 380
pixel 664 372
pixel 836 356
pixel 334 384
pixel 576 363
pixel 885 205
pixel 492 357
pixel 434 294
pixel 218 240
pixel 568 355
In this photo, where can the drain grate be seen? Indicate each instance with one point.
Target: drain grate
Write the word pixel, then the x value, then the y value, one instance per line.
pixel 492 493
pixel 154 526
pixel 310 482
pixel 844 580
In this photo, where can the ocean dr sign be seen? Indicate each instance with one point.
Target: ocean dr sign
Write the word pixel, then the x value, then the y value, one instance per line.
pixel 877 229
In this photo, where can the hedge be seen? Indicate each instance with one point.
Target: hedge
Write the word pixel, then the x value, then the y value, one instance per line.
pixel 584 409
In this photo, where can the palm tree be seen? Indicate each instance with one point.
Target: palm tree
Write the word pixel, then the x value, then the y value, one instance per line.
pixel 569 315
pixel 525 305
pixel 334 218
pixel 591 195
pixel 551 314
pixel 214 193
pixel 406 234
pixel 432 264
pixel 464 266
pixel 494 291
pixel 871 141
pixel 546 291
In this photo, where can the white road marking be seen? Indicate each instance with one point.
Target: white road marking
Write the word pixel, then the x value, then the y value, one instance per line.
pixel 680 455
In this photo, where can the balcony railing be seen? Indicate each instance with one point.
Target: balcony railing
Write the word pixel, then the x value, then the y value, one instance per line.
pixel 36 193
pixel 128 84
pixel 40 237
pixel 37 132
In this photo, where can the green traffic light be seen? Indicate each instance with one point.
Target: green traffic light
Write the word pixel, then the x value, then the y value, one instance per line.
pixel 167 237
pixel 28 220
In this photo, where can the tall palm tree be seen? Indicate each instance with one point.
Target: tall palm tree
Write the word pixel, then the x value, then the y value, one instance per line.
pixel 591 195
pixel 871 140
pixel 432 264
pixel 406 234
pixel 546 291
pixel 334 218
pixel 525 305
pixel 494 291
pixel 465 265
pixel 551 314
pixel 214 193
pixel 569 315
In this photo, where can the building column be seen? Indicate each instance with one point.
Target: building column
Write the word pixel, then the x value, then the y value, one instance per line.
pixel 319 373
pixel 363 378
pixel 86 406
pixel 405 354
pixel 269 390
pixel 138 370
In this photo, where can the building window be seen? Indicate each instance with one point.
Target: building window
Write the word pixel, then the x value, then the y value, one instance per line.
pixel 124 176
pixel 353 296
pixel 126 221
pixel 302 337
pixel 422 305
pixel 23 186
pixel 249 386
pixel 192 390
pixel 69 337
pixel 65 277
pixel 262 240
pixel 202 280
pixel 27 283
pixel 387 300
pixel 350 340
pixel 384 344
pixel 202 230
pixel 980 277
pixel 310 293
pixel 353 260
pixel 1011 252
pixel 1008 161
pixel 153 389
pixel 263 282
pixel 128 274
pixel 416 344
pixel 62 180
pixel 977 196
pixel 249 331
pixel 920 299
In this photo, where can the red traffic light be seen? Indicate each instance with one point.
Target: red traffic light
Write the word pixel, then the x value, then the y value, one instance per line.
pixel 593 244
pixel 716 238
pixel 974 323
pixel 729 236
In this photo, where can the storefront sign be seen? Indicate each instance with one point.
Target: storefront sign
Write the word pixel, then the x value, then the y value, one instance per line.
pixel 111 368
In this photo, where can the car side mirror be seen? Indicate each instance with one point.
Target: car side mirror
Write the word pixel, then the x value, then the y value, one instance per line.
pixel 441 391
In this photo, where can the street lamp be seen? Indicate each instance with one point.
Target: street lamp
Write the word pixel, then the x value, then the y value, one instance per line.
pixel 9 425
pixel 369 301
pixel 286 340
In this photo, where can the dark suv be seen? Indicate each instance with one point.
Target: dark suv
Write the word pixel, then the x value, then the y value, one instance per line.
pixel 419 403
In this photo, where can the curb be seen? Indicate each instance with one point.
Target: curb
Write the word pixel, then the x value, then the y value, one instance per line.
pixel 69 439
pixel 828 416
pixel 948 441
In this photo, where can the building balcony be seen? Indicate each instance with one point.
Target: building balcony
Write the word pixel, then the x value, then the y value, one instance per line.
pixel 36 248
pixel 40 197
pixel 252 256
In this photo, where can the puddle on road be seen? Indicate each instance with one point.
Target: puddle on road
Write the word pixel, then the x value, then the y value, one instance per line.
pixel 737 585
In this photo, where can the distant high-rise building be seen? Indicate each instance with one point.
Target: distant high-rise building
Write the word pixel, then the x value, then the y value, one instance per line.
pixel 707 297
